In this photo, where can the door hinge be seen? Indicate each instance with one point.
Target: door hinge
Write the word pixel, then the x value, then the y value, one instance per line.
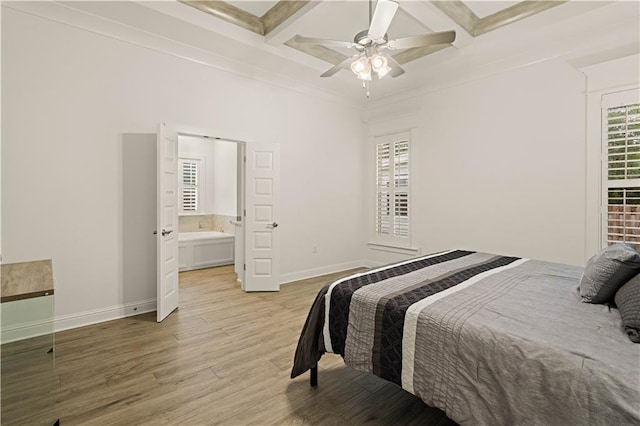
pixel 244 267
pixel 244 158
pixel 245 212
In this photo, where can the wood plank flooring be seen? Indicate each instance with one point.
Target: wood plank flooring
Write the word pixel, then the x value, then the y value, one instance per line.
pixel 223 358
pixel 28 382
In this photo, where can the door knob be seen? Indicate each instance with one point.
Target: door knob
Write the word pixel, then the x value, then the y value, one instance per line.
pixel 272 225
pixel 165 232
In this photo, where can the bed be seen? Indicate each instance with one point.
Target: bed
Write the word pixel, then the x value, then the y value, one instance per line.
pixel 488 339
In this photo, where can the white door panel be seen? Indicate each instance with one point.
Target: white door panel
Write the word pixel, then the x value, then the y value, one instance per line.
pixel 167 218
pixel 261 228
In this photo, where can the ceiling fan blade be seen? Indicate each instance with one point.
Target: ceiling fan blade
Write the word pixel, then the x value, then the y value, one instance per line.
pixel 396 69
pixel 382 17
pixel 444 37
pixel 323 42
pixel 342 65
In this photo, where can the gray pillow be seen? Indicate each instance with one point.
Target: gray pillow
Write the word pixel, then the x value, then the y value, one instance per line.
pixel 628 301
pixel 607 271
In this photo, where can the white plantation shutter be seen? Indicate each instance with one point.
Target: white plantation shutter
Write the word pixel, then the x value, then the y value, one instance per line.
pixel 621 140
pixel 401 193
pixel 189 199
pixel 383 196
pixel 401 215
pixel 189 185
pixel 392 188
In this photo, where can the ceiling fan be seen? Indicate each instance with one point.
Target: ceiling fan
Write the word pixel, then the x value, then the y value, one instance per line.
pixel 372 44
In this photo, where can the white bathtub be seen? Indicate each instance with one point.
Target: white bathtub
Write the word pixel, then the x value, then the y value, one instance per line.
pixel 197 250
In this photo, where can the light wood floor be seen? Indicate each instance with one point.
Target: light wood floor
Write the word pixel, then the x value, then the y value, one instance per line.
pixel 223 358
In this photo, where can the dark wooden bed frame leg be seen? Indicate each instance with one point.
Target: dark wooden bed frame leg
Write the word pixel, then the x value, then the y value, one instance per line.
pixel 313 376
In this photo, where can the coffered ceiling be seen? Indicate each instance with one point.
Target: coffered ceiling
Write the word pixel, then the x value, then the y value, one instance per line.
pixel 258 38
pixel 476 18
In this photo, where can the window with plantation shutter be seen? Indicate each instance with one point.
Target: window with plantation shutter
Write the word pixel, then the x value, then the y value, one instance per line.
pixel 392 188
pixel 190 173
pixel 621 140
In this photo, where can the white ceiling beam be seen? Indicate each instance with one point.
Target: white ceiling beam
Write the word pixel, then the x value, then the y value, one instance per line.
pixel 285 30
pixel 436 20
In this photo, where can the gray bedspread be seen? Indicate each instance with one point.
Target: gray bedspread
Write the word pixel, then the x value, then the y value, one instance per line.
pixel 491 340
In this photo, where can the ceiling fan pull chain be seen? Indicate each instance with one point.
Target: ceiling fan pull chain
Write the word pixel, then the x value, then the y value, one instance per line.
pixel 365 86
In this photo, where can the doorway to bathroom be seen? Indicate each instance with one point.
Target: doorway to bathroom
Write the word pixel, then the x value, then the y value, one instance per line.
pixel 210 206
pixel 150 216
pixel 259 183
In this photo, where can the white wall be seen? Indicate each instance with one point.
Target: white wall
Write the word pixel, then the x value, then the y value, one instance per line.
pixel 69 95
pixel 498 164
pixel 225 178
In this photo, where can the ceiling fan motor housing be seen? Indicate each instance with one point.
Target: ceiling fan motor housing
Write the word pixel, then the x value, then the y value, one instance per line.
pixel 362 39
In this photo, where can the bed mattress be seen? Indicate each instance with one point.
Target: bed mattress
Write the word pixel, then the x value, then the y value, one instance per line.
pixel 489 339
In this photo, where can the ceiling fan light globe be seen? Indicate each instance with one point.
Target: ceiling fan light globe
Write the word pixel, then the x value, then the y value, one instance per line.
pixel 359 65
pixel 365 75
pixel 378 63
pixel 382 72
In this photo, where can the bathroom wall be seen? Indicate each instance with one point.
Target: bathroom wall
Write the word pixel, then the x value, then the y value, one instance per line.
pixel 225 176
pixel 219 203
pixel 206 222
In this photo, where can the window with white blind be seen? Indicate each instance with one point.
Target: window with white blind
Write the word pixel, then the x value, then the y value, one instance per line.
pixel 190 185
pixel 621 147
pixel 392 220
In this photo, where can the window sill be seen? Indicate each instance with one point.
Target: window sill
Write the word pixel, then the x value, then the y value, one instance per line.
pixel 412 251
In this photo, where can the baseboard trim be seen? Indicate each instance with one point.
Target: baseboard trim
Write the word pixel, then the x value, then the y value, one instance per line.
pixel 26 330
pixel 81 319
pixel 95 316
pixel 316 272
pixel 66 322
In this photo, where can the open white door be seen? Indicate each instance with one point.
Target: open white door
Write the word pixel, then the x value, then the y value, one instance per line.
pixel 262 256
pixel 167 221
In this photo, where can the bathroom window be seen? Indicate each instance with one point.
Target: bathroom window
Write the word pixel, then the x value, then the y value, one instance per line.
pixel 190 185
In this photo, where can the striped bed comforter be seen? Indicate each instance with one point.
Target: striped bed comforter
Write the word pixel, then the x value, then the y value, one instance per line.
pixel 489 339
